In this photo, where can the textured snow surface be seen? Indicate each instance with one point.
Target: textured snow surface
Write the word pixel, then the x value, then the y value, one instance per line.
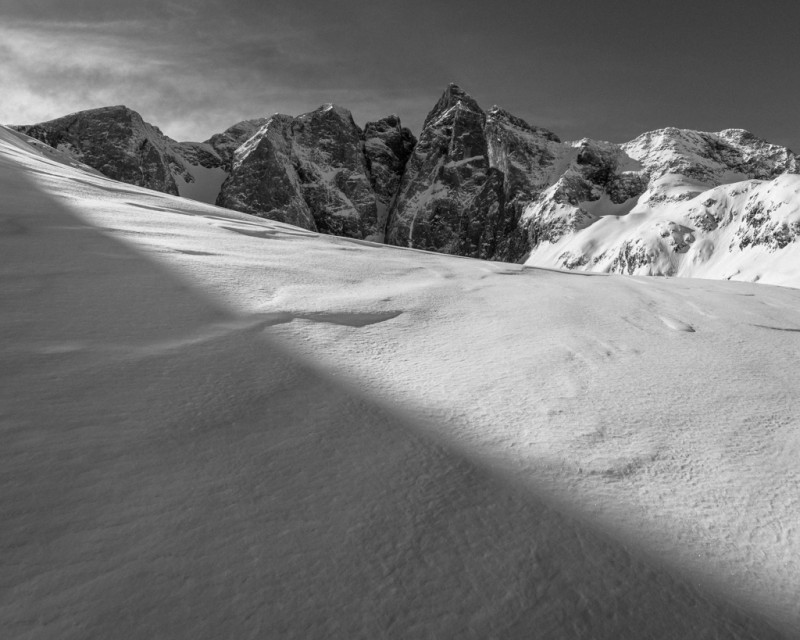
pixel 221 426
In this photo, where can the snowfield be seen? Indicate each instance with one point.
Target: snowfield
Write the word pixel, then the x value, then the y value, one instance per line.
pixel 215 425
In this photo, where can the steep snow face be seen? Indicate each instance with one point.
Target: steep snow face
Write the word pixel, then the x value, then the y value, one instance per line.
pixel 317 171
pixel 709 205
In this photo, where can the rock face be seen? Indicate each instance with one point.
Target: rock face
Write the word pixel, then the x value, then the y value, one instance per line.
pixel 387 148
pixel 467 181
pixel 320 171
pixel 116 142
pixel 484 184
pixel 226 143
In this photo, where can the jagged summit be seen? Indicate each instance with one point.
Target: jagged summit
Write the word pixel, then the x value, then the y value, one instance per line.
pixel 452 96
pixel 117 142
pixel 320 171
pixel 227 142
pixel 328 110
pixel 501 114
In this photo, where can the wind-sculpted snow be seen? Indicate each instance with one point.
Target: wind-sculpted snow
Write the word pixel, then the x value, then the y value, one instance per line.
pixel 218 425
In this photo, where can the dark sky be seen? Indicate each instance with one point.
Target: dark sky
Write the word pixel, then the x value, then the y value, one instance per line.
pixel 607 70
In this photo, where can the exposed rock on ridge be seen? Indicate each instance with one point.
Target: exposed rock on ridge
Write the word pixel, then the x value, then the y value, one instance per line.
pixel 387 148
pixel 321 172
pixel 469 179
pixel 116 142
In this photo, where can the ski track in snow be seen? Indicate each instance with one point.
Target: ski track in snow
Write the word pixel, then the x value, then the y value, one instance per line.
pixel 310 442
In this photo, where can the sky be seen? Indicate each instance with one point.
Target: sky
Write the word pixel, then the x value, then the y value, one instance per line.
pixel 604 70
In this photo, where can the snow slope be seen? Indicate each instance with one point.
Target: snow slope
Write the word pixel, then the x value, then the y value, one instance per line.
pixel 712 205
pixel 216 425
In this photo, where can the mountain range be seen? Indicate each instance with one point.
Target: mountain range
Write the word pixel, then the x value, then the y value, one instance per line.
pixel 478 183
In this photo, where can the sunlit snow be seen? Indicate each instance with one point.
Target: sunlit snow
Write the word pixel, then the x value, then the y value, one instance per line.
pixel 221 426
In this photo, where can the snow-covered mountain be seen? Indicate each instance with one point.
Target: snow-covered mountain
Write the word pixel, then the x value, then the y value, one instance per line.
pixel 478 183
pixel 674 202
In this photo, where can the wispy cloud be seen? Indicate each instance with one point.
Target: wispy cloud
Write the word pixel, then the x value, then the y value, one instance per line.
pixel 191 74
pixel 194 67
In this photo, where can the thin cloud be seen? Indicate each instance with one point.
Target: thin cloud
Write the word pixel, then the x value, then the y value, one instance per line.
pixel 190 86
pixel 194 67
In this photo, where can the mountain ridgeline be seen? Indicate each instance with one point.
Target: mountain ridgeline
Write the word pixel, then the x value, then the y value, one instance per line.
pixel 476 183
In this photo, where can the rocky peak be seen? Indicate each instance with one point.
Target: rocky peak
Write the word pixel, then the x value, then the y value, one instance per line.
pixel 451 198
pixel 329 135
pixel 453 96
pixel 117 142
pixel 319 171
pixel 330 110
pixel 226 143
pixel 501 117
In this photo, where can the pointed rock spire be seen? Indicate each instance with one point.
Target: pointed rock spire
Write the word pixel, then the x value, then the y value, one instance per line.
pixel 450 98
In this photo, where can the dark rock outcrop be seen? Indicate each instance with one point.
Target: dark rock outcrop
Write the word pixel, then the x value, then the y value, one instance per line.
pixel 469 180
pixel 116 142
pixel 387 148
pixel 226 143
pixel 319 172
